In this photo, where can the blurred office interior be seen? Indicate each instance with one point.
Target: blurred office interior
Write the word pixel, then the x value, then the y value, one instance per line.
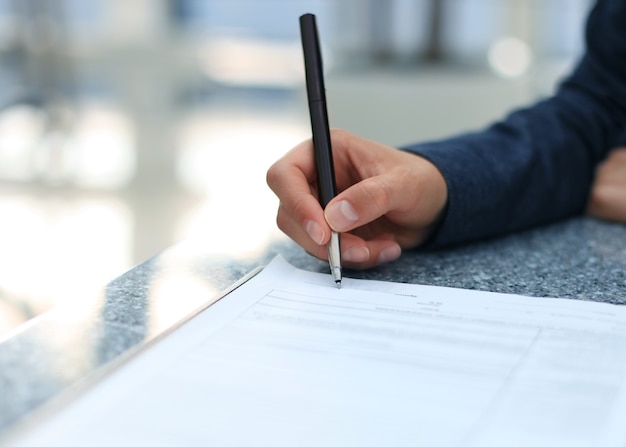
pixel 129 125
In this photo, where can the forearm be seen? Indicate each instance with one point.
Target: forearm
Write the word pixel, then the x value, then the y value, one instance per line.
pixel 537 165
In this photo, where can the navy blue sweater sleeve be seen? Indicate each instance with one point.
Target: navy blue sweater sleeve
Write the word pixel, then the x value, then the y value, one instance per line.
pixel 537 165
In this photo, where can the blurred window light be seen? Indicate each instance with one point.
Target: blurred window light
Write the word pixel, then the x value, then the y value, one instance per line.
pixel 272 19
pixel 224 156
pixel 254 43
pixel 7 26
pixel 560 24
pixel 98 152
pixel 241 61
pixel 84 21
pixel 102 149
pixel 555 27
pixel 226 160
pixel 22 128
pixel 409 38
pixel 510 57
pixel 470 25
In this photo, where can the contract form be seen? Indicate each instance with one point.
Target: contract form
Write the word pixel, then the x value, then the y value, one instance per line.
pixel 287 359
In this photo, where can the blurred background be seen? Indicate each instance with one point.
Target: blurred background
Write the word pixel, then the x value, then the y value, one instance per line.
pixel 129 125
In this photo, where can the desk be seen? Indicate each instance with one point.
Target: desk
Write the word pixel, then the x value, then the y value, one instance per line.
pixel 68 348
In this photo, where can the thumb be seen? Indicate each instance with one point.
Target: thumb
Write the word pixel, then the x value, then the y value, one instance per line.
pixel 360 204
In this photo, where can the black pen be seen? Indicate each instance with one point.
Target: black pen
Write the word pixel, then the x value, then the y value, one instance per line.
pixel 322 148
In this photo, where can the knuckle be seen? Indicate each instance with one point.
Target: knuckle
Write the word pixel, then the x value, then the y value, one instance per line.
pixel 273 175
pixel 340 136
pixel 298 208
pixel 382 193
pixel 292 210
pixel 282 220
pixel 598 198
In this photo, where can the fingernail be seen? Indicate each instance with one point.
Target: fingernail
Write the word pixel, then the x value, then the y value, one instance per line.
pixel 389 254
pixel 315 232
pixel 341 215
pixel 356 254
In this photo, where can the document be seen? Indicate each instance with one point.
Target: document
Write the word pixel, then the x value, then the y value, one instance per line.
pixel 287 359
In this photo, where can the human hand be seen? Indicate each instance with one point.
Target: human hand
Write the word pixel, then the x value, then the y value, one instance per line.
pixel 387 200
pixel 608 192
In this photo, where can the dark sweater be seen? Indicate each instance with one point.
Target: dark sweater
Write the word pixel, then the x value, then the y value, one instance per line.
pixel 537 165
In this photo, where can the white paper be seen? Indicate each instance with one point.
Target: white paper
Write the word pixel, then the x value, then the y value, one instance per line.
pixel 289 360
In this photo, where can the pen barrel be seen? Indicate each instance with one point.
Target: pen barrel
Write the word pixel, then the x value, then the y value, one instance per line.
pixel 314 69
pixel 317 109
pixel 322 153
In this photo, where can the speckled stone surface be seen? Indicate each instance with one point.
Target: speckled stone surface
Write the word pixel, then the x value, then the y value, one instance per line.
pixel 69 348
pixel 580 258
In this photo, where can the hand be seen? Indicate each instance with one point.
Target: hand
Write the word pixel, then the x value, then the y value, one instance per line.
pixel 387 200
pixel 608 192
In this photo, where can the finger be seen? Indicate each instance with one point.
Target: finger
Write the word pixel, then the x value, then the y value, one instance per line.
pixel 292 228
pixel 358 253
pixel 608 202
pixel 611 173
pixel 363 203
pixel 290 178
pixel 411 196
pixel 293 173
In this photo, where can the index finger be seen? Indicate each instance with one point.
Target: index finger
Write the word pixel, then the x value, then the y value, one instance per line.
pixel 294 169
pixel 292 178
